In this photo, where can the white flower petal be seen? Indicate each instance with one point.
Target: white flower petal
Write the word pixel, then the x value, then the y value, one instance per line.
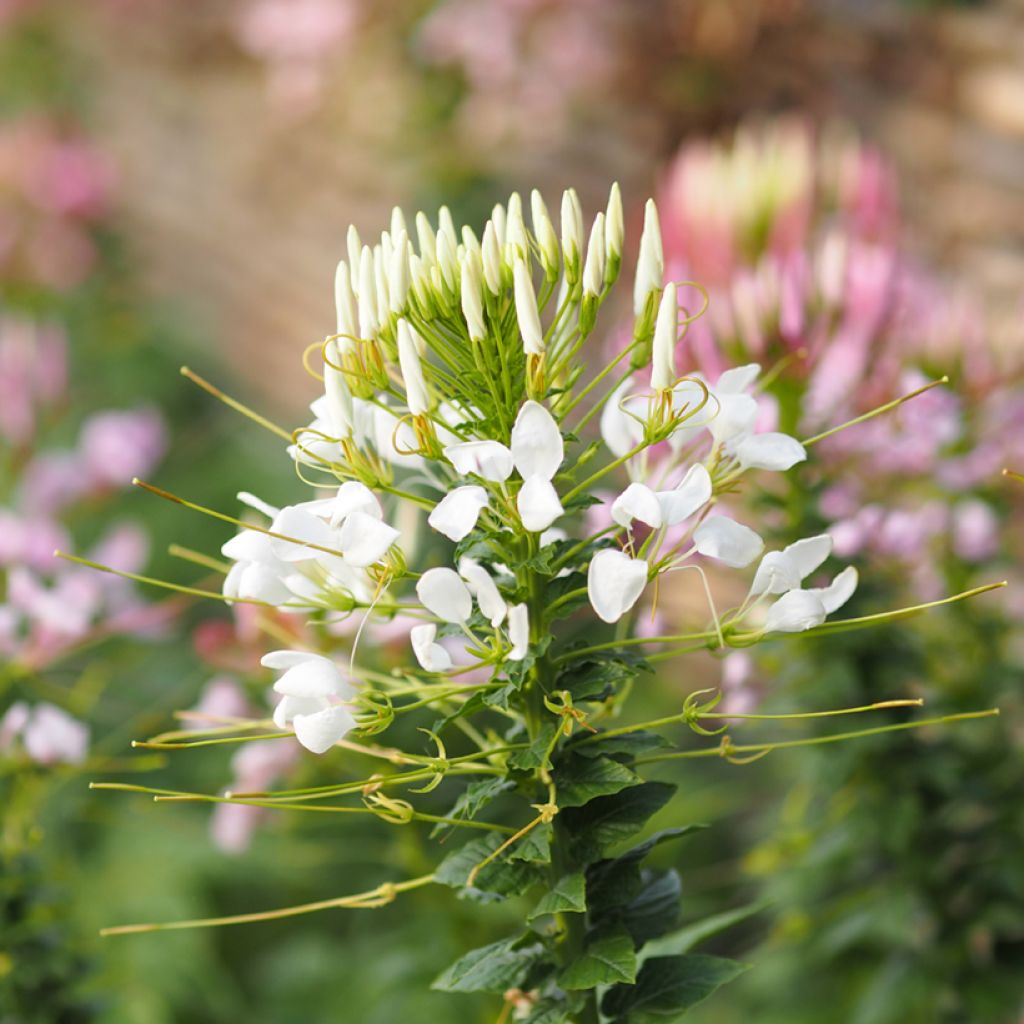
pixel 538 504
pixel 482 586
pixel 614 583
pixel 776 574
pixel 637 501
pixel 772 451
pixel 795 612
pixel 809 553
pixel 286 659
pixel 620 431
pixel 305 528
pixel 364 539
pixel 732 415
pixel 537 446
pixel 728 541
pixel 839 591
pixel 258 582
pixel 443 593
pixel 319 732
pixel 246 498
pixel 738 379
pixel 431 656
pixel 456 513
pixel 354 496
pixel 316 677
pixel 489 459
pixel 288 707
pixel 519 632
pixel 666 334
pixel 690 494
pixel 249 546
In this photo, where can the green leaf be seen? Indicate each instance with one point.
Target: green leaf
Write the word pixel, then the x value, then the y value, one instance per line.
pixel 616 881
pixel 683 940
pixel 535 846
pixel 607 959
pixel 494 968
pixel 578 780
pixel 598 676
pixel 474 798
pixel 667 986
pixel 535 755
pixel 568 896
pixel 497 881
pixel 610 820
pixel 655 910
pixel 631 743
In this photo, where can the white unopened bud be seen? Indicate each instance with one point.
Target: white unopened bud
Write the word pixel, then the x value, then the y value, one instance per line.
pixel 380 278
pixel 398 224
pixel 470 242
pixel 426 238
pixel 367 295
pixel 544 232
pixel 572 228
pixel 515 229
pixel 500 221
pixel 419 275
pixel 650 268
pixel 412 370
pixel 472 296
pixel 491 254
pixel 526 310
pixel 354 247
pixel 447 259
pixel 614 227
pixel 666 330
pixel 345 303
pixel 447 225
pixel 593 269
pixel 340 413
pixel 399 275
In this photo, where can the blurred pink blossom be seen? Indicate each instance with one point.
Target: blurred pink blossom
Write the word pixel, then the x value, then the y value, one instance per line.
pixel 116 446
pixel 48 734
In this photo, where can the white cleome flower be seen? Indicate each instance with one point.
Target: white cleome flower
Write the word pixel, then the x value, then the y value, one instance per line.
pixel 442 592
pixel 537 452
pixel 312 692
pixel 431 656
pixel 614 583
pixel 518 632
pixel 456 513
pixel 727 541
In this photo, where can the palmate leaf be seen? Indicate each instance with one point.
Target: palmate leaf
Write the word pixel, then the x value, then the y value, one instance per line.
pixel 667 987
pixel 578 780
pixel 629 744
pixel 535 846
pixel 494 968
pixel 499 880
pixel 567 896
pixel 655 910
pixel 608 958
pixel 610 820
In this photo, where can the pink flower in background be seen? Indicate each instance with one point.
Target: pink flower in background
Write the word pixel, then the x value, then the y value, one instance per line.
pixel 116 446
pixel 33 374
pixel 48 734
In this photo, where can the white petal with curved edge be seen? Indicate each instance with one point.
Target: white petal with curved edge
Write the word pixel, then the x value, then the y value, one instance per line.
pixel 364 539
pixel 795 612
pixel 482 586
pixel 519 631
pixel 305 528
pixel 318 677
pixel 690 494
pixel 614 583
pixel 728 541
pixel 456 513
pixel 443 593
pixel 248 546
pixel 738 379
pixel 489 459
pixel 809 553
pixel 288 707
pixel 732 416
pixel 776 574
pixel 258 582
pixel 354 496
pixel 247 498
pixel 286 659
pixel 319 732
pixel 666 334
pixel 538 504
pixel 537 446
pixel 839 591
pixel 431 656
pixel 620 431
pixel 637 501
pixel 772 451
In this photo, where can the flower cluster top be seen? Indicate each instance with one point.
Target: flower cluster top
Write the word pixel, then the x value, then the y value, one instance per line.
pixel 460 382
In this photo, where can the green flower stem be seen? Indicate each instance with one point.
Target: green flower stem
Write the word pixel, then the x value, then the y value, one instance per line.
pixel 377 897
pixel 636 641
pixel 727 749
pixel 597 380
